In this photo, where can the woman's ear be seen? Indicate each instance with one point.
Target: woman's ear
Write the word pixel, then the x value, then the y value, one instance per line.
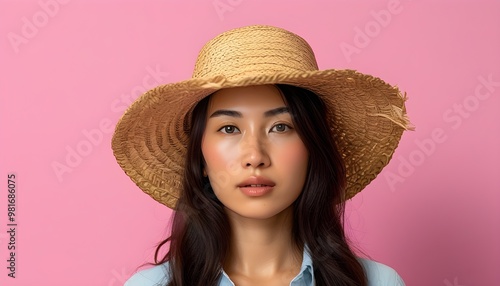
pixel 204 173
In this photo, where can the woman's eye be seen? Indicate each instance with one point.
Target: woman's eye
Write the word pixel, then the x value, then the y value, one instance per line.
pixel 280 128
pixel 229 129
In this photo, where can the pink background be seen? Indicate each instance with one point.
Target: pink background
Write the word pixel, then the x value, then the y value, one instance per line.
pixel 433 214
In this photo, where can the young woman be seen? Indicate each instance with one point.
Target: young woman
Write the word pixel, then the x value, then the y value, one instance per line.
pixel 257 154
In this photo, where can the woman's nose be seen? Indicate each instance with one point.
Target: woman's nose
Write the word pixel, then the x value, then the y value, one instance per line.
pixel 254 153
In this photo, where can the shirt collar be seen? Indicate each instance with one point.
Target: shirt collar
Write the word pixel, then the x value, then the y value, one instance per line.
pixel 304 278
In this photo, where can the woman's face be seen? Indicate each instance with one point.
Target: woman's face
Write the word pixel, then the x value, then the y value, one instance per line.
pixel 255 160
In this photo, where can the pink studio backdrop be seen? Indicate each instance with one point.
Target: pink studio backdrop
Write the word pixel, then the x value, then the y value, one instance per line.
pixel 69 68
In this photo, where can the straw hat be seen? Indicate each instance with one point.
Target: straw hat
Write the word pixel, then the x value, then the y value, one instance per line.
pixel 367 115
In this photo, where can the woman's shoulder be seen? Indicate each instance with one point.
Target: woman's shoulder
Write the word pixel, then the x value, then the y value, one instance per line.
pixel 155 276
pixel 379 274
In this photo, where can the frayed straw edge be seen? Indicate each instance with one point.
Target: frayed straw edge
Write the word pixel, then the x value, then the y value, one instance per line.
pixel 402 118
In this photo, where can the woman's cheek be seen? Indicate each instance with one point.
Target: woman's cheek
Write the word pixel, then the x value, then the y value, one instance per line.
pixel 293 156
pixel 221 159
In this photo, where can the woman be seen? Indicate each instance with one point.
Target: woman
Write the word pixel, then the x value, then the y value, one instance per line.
pixel 257 154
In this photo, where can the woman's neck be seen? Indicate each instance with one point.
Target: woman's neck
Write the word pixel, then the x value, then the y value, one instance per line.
pixel 262 247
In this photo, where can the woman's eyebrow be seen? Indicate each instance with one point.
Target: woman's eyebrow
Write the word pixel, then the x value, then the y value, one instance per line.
pixel 276 111
pixel 233 113
pixel 226 112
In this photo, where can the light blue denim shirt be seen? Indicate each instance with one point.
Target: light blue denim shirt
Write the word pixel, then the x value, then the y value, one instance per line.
pixel 378 275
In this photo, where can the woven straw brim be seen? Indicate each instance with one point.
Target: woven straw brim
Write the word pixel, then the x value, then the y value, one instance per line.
pixel 367 117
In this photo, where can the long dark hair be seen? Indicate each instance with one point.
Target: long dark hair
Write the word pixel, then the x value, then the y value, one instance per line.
pixel 200 235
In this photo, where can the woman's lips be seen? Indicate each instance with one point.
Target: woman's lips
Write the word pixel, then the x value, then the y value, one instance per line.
pixel 256 186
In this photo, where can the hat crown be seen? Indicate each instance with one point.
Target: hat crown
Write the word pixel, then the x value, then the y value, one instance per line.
pixel 254 51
